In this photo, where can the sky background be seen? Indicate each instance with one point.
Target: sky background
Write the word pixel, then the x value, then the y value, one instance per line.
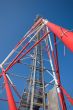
pixel 17 16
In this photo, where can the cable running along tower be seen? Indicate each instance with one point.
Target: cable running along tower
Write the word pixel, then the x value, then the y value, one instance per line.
pixel 37 53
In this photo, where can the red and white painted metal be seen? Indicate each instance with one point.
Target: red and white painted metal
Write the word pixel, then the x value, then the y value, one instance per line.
pixel 63 34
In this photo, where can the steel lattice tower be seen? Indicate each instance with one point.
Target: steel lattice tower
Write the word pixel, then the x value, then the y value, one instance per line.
pixel 38 50
pixel 34 99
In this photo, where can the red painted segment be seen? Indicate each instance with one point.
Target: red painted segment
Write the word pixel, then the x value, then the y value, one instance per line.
pixel 44 36
pixel 60 94
pixel 11 102
pixel 67 95
pixel 10 65
pixel 31 29
pixel 62 102
pixel 63 34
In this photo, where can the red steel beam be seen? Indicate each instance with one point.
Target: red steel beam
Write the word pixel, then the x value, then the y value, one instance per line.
pixel 11 102
pixel 31 29
pixel 26 52
pixel 70 99
pixel 60 94
pixel 18 55
pixel 23 39
pixel 66 36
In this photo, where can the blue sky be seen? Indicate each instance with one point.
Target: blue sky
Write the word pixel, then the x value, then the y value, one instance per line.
pixel 17 16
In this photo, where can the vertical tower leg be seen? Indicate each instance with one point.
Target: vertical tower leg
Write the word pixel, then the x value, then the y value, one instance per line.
pixel 56 76
pixel 33 83
pixel 60 93
pixel 11 102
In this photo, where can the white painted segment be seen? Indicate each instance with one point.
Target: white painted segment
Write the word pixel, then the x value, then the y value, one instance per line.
pixel 50 43
pixel 49 73
pixel 52 66
pixel 58 90
pixel 8 57
pixel 1 66
pixel 45 21
pixel 51 62
pixel 11 53
pixel 33 83
pixel 9 79
pixel 49 83
pixel 36 33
